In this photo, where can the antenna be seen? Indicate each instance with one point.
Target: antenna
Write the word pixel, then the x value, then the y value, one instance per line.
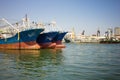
pixel 26 18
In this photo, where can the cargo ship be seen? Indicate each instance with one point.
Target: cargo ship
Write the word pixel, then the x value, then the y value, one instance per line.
pixel 45 40
pixel 58 39
pixel 21 37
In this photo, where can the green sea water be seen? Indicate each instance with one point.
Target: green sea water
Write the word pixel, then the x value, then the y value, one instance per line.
pixel 75 62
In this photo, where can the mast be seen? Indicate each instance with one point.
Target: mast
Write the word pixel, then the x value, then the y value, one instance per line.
pixel 27 21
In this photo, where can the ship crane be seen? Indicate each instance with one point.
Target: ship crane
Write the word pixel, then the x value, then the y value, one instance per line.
pixel 12 27
pixel 10 24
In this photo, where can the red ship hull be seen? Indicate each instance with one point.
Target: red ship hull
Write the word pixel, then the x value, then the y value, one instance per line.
pixel 58 40
pixel 49 45
pixel 59 44
pixel 21 45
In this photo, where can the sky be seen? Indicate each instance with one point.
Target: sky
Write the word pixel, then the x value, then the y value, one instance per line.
pixel 88 15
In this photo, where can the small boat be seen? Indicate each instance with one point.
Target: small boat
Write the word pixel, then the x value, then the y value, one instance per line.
pixel 45 39
pixel 67 40
pixel 109 42
pixel 58 39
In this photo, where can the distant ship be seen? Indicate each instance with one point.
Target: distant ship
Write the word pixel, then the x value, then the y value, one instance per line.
pixel 58 39
pixel 45 39
pixel 21 38
pixel 67 40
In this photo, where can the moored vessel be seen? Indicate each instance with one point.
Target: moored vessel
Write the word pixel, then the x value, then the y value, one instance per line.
pixel 21 36
pixel 50 38
pixel 45 40
pixel 58 39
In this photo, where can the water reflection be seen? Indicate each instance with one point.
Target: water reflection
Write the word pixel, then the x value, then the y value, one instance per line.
pixel 31 63
pixel 29 55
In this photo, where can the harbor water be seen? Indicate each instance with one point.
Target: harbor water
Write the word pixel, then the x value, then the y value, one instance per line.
pixel 75 62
